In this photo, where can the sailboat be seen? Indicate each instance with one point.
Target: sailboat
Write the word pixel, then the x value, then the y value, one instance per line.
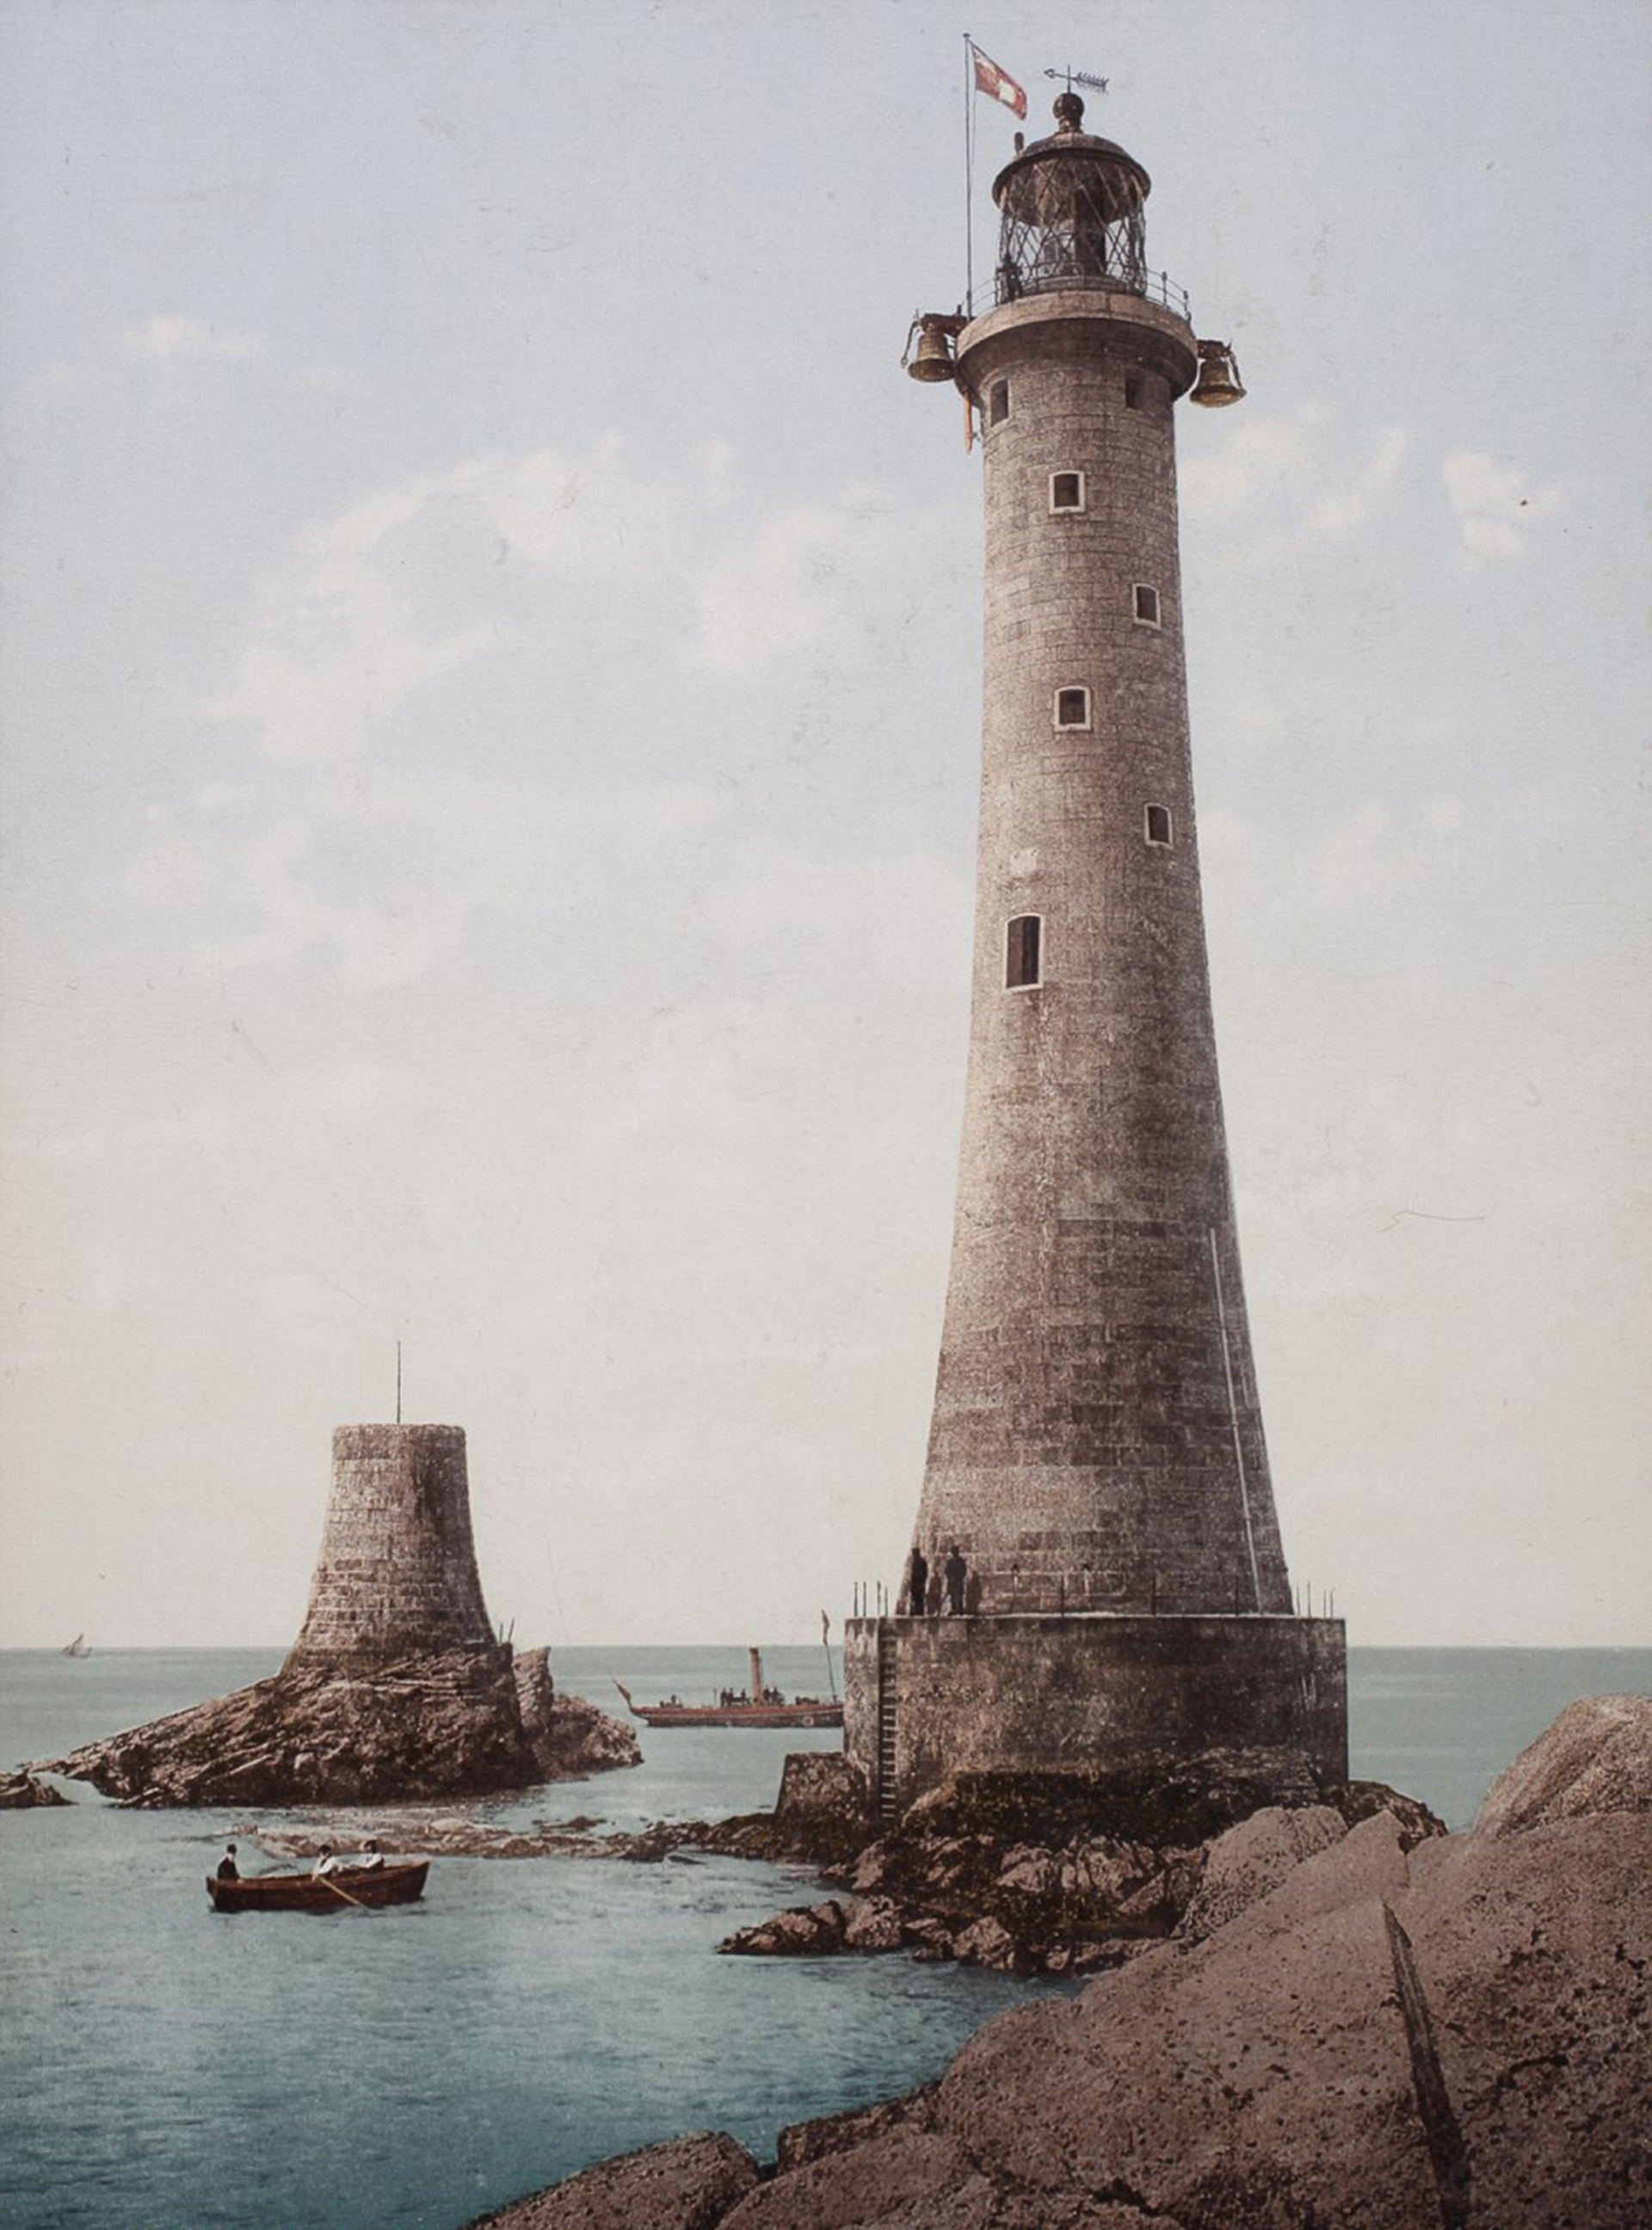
pixel 78 1647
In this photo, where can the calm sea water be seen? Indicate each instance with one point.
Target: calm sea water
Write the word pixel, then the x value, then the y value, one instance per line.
pixel 165 2069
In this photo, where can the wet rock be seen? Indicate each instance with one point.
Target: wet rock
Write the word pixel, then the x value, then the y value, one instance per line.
pixel 803 1931
pixel 1362 1800
pixel 1031 1869
pixel 988 1943
pixel 928 1936
pixel 447 1725
pixel 874 1925
pixel 690 2183
pixel 19 1792
pixel 1596 1759
pixel 823 1812
pixel 568 1736
pixel 871 1869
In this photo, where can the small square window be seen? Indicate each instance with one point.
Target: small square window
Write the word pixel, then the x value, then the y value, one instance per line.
pixel 1159 824
pixel 1072 708
pixel 1133 390
pixel 1023 955
pixel 1066 491
pixel 998 402
pixel 1147 604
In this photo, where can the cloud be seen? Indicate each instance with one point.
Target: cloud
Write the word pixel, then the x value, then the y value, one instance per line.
pixel 167 342
pixel 1363 497
pixel 449 695
pixel 1494 505
pixel 258 891
pixel 1329 489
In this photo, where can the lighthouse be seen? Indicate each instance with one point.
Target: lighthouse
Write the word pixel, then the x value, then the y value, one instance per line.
pixel 1096 1579
pixel 396 1574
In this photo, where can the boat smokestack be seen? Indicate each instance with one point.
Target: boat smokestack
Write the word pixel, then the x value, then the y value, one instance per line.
pixel 756 1663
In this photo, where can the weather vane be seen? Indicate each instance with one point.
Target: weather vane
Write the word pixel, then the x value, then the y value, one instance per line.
pixel 1079 77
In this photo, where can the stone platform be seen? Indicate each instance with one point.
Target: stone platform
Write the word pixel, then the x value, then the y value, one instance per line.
pixel 1263 1698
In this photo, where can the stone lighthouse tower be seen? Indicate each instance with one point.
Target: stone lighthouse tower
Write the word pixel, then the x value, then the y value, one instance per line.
pixel 397 1576
pixel 1105 1585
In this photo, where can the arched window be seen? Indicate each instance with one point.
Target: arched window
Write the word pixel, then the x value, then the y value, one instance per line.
pixel 1023 953
pixel 1145 606
pixel 1072 706
pixel 1066 492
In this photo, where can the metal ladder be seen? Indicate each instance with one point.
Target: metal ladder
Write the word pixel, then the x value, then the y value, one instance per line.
pixel 885 1721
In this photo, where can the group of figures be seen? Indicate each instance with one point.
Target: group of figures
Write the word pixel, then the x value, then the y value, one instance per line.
pixel 370 1860
pixel 951 1587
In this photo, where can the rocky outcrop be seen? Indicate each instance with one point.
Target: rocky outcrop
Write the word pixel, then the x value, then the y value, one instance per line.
pixel 464 1723
pixel 1359 2027
pixel 687 2184
pixel 1597 1757
pixel 568 1737
pixel 996 1895
pixel 19 1791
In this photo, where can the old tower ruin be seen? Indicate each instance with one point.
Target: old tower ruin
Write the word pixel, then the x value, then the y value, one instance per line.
pixel 1097 1540
pixel 397 1576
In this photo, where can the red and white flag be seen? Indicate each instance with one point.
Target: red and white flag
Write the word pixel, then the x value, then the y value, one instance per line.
pixel 999 83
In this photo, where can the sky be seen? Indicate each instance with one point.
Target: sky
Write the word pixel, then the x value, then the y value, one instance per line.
pixel 490 697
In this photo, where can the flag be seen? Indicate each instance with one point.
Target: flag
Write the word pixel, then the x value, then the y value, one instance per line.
pixel 999 83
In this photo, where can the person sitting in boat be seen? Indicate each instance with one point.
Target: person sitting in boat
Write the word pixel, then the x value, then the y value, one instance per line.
pixel 326 1863
pixel 371 1858
pixel 228 1870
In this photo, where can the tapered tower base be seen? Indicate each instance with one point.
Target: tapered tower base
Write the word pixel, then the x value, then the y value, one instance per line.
pixel 397 1576
pixel 1259 1699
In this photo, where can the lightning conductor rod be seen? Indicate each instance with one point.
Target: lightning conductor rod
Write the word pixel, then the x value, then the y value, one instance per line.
pixel 398 1382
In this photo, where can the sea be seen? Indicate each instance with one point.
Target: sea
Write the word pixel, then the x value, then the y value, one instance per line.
pixel 163 2068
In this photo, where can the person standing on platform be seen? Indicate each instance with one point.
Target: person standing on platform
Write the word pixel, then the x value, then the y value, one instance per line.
pixel 917 1583
pixel 956 1572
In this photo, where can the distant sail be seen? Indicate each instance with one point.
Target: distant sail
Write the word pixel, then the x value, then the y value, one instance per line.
pixel 78 1647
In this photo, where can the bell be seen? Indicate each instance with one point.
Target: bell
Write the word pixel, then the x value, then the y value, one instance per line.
pixel 933 356
pixel 1219 380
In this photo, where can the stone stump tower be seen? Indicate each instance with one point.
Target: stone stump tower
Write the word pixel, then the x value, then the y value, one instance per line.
pixel 397 1576
pixel 1097 1479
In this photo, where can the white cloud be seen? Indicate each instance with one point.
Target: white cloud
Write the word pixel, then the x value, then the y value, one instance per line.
pixel 1362 498
pixel 1495 505
pixel 166 341
pixel 1329 489
pixel 257 893
pixel 1257 454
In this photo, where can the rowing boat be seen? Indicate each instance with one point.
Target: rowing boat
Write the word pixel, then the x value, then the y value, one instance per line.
pixel 335 1892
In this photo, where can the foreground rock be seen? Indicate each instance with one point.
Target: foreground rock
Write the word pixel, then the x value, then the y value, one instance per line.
pixel 469 1723
pixel 19 1791
pixel 688 2184
pixel 1358 2027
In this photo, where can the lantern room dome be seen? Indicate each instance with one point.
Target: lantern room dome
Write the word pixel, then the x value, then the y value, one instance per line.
pixel 1070 207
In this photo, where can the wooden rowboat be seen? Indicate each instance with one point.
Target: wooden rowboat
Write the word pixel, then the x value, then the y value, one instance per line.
pixel 335 1892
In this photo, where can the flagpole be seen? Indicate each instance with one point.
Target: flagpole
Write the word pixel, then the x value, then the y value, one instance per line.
pixel 969 180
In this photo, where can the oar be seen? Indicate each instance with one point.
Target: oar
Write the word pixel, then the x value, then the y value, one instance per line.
pixel 342 1891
